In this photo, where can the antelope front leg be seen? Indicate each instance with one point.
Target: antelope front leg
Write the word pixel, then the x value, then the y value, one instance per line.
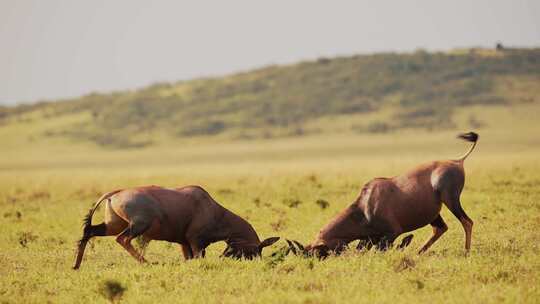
pixel 186 250
pixel 197 248
pixel 365 243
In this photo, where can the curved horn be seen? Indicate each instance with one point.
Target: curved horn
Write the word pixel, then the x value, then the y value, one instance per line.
pixel 300 246
pixel 291 247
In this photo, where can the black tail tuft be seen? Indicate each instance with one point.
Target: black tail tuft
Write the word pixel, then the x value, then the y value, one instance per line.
pixel 470 136
pixel 87 221
pixel 90 231
pixel 87 227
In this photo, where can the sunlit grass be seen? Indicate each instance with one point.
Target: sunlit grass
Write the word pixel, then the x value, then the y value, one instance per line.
pixel 47 185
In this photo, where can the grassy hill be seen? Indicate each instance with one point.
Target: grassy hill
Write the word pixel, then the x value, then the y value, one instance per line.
pixel 373 93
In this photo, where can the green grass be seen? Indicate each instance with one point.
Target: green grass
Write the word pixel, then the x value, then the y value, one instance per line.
pixel 47 185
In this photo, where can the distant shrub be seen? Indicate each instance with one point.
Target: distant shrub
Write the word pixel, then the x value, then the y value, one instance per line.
pixel 278 225
pixel 373 127
pixel 322 203
pixel 350 108
pixel 378 127
pixel 112 290
pixel 203 128
pixel 428 118
pixel 296 131
pixel 474 122
pixel 25 238
pixel 416 113
pixel 118 141
pixel 292 203
pixel 323 60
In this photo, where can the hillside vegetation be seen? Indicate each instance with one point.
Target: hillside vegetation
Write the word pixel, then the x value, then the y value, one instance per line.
pixel 416 90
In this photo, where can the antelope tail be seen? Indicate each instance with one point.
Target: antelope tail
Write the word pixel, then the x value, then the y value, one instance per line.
pixel 88 230
pixel 470 137
pixel 87 221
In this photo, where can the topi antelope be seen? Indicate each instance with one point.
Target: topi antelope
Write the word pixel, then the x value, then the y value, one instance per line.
pixel 388 207
pixel 188 216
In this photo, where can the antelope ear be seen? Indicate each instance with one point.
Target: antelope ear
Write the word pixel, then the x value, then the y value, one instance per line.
pixel 268 242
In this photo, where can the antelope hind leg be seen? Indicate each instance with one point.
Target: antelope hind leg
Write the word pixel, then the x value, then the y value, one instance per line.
pixel 132 231
pixel 439 228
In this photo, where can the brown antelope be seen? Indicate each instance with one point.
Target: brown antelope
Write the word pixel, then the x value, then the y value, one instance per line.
pixel 388 207
pixel 188 216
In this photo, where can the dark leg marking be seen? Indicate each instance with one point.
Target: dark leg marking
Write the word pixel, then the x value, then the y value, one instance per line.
pixel 186 250
pixel 453 203
pixel 405 242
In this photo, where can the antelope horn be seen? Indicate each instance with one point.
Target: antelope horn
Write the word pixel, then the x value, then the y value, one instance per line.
pixel 291 247
pixel 300 246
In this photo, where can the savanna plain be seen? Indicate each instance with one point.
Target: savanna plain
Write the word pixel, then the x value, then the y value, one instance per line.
pixel 288 187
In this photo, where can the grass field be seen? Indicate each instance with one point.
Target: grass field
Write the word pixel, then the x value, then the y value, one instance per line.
pixel 47 185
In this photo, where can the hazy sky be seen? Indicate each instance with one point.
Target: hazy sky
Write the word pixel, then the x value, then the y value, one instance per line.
pixel 51 49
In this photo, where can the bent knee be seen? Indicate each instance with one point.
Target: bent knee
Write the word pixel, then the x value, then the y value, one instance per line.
pixel 123 239
pixel 442 229
pixel 467 223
